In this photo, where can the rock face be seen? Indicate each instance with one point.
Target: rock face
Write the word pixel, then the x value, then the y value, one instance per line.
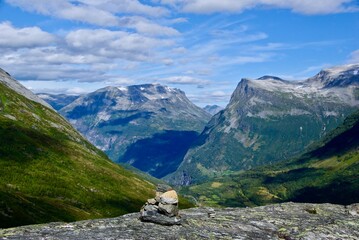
pixel 270 119
pixel 282 221
pixel 163 209
pixel 151 116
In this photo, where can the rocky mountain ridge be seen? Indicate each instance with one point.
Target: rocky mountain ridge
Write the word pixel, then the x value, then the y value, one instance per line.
pixel 7 80
pixel 281 221
pixel 115 118
pixel 268 120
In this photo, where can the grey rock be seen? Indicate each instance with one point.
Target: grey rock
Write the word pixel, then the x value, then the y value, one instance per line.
pixel 353 209
pixel 280 221
pixel 163 209
pixel 151 201
pixel 162 188
pixel 168 209
pixel 158 218
pixel 150 208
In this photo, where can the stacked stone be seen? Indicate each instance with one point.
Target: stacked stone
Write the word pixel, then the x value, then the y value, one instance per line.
pixel 163 209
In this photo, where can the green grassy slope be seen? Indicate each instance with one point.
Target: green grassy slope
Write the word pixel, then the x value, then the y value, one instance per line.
pixel 329 172
pixel 49 172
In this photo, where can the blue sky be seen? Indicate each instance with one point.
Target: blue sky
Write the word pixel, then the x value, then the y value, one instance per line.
pixel 203 47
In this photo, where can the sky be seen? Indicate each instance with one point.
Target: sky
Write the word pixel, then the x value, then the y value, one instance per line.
pixel 203 47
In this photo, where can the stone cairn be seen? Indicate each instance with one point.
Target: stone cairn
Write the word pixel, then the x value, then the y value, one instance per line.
pixel 163 209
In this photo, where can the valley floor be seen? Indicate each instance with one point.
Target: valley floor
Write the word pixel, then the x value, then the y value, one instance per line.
pixel 279 221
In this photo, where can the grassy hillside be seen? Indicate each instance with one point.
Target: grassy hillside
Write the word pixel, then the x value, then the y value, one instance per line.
pixel 49 172
pixel 329 172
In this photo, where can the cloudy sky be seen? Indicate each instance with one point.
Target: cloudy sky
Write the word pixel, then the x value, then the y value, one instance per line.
pixel 203 47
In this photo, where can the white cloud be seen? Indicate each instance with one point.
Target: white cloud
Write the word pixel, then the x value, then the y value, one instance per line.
pixel 127 6
pixel 210 97
pixel 354 57
pixel 115 44
pixel 76 91
pixel 300 6
pixel 185 80
pixel 143 25
pixel 12 37
pixel 100 13
pixel 119 81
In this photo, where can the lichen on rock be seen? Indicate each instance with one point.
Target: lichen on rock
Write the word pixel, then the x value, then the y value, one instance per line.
pixel 279 221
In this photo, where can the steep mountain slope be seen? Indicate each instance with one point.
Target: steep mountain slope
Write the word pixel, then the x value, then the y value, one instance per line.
pixel 329 172
pixel 150 116
pixel 5 79
pixel 49 172
pixel 57 101
pixel 212 109
pixel 270 119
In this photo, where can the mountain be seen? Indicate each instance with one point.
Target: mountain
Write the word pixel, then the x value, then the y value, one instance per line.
pixel 212 109
pixel 136 124
pixel 57 101
pixel 49 172
pixel 279 221
pixel 7 81
pixel 328 172
pixel 268 120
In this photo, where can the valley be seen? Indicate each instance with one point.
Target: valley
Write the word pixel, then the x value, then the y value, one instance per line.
pixel 49 172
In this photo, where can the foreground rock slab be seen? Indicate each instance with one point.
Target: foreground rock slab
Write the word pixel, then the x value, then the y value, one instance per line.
pixel 280 221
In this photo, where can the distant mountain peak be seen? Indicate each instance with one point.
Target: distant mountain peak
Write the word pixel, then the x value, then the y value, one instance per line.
pixel 338 76
pixel 266 77
pixel 260 118
pixel 213 109
pixel 121 120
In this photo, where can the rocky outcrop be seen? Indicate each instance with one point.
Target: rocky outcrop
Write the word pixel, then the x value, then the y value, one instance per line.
pixel 282 221
pixel 163 209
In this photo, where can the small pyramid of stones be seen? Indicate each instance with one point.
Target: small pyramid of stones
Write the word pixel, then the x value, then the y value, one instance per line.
pixel 163 209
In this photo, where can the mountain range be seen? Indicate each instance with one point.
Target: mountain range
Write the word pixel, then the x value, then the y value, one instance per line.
pixel 270 119
pixel 276 141
pixel 326 173
pixel 148 126
pixel 50 172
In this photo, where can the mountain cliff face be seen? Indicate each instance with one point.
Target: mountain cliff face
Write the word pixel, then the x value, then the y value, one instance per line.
pixel 281 221
pixel 270 119
pixel 49 172
pixel 147 117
